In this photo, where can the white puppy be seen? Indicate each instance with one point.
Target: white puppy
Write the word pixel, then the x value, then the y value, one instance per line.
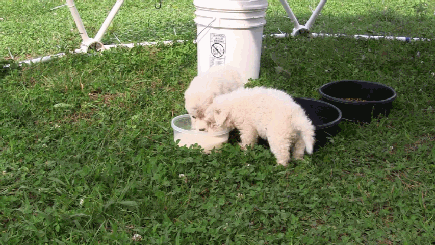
pixel 268 113
pixel 199 96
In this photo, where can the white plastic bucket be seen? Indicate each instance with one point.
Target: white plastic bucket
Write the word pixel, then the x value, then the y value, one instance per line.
pixel 230 32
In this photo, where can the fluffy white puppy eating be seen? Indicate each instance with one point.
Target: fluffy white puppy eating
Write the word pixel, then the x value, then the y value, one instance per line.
pixel 199 96
pixel 268 113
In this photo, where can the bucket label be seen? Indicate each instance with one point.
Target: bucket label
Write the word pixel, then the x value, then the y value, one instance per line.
pixel 217 47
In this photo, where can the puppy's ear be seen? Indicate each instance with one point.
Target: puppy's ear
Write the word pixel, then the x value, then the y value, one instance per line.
pixel 207 100
pixel 220 115
pixel 208 115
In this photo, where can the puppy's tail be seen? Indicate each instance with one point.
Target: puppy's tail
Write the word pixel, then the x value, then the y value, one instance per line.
pixel 307 132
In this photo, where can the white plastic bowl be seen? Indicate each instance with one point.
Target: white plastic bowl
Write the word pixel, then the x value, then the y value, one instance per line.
pixel 207 140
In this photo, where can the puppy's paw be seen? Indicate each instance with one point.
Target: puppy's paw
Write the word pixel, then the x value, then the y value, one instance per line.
pixel 243 146
pixel 298 157
pixel 282 163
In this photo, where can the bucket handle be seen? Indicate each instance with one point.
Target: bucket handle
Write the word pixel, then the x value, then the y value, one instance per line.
pixel 205 28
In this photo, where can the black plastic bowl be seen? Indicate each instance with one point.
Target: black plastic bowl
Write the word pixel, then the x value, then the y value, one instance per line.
pixel 359 100
pixel 324 116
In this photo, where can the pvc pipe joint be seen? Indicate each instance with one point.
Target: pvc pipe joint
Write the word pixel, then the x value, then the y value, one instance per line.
pixel 93 44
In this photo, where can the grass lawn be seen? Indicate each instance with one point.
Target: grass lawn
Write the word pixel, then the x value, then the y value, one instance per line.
pixel 87 154
pixel 34 28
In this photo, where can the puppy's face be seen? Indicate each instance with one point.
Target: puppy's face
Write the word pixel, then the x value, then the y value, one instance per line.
pixel 198 120
pixel 205 121
pixel 196 107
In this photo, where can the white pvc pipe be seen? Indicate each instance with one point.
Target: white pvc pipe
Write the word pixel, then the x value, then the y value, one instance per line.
pixel 290 13
pixel 108 20
pixel 37 60
pixel 406 39
pixel 298 27
pixel 316 13
pixel 77 51
pixel 131 45
pixel 279 35
pixel 79 23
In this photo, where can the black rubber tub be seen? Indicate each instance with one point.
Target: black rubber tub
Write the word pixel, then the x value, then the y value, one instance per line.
pixel 359 100
pixel 325 118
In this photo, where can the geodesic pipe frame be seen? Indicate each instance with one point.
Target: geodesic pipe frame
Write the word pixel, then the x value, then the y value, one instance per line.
pixel 301 29
pixel 96 41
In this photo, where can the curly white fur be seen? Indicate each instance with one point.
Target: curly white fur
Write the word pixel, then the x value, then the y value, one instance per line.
pixel 269 113
pixel 199 96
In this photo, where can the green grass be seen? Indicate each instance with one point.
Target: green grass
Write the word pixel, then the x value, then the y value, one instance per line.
pixel 35 28
pixel 87 154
